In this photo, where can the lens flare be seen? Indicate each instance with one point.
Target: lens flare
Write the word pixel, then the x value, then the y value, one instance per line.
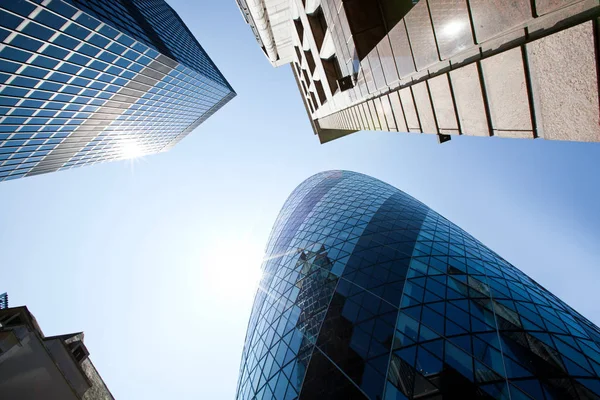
pixel 130 150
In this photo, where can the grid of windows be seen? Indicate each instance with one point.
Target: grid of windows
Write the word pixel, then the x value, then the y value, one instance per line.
pixel 178 38
pixel 117 15
pixel 3 301
pixel 470 319
pixel 157 25
pixel 368 294
pixel 444 67
pixel 75 91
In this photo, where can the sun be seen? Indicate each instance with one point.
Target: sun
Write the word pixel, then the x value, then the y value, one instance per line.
pixel 130 149
pixel 233 269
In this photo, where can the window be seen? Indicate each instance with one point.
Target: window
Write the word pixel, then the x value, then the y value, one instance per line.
pixel 21 7
pixel 77 31
pixel 7 66
pixel 310 60
pixel 299 29
pixel 318 26
pixel 51 20
pixel 371 20
pixel 66 41
pixel 55 52
pixel 9 20
pixel 14 54
pixel 332 72
pixel 320 92
pixel 38 31
pixel 34 72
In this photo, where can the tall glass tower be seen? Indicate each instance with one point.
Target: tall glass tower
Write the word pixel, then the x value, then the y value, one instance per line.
pixel 3 301
pixel 86 81
pixel 369 294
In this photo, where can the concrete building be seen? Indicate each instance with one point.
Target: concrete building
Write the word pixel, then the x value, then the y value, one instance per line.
pixel 519 69
pixel 38 367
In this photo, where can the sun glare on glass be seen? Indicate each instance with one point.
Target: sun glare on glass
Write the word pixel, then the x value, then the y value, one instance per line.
pixel 453 28
pixel 130 150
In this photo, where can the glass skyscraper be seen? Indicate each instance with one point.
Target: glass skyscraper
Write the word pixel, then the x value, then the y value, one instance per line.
pixel 3 301
pixel 86 81
pixel 368 294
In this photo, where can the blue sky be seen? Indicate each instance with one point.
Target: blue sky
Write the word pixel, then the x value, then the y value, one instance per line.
pixel 154 260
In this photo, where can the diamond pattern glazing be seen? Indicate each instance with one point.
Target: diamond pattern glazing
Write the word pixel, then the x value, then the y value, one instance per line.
pixel 368 294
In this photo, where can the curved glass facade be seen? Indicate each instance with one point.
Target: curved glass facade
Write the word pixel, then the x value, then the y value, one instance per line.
pixel 369 294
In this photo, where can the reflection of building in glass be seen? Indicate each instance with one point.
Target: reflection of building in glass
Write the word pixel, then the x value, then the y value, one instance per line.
pixel 523 68
pixel 34 366
pixel 369 294
pixel 86 81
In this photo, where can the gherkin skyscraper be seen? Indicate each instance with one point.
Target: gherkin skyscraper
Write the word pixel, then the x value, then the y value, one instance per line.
pixel 368 294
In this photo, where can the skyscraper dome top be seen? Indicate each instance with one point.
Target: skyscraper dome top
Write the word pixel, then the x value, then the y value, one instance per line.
pixel 369 294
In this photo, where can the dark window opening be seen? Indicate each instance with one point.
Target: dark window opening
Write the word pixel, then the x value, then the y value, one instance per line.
pixel 310 60
pixel 318 26
pixel 332 72
pixel 298 53
pixel 320 92
pixel 299 29
pixel 371 20
pixel 11 320
pixel 305 89
pixel 306 78
pixel 394 10
pixel 314 100
pixel 79 354
pixel 79 351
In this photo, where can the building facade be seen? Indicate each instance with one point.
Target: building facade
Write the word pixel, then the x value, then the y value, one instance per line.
pixel 519 69
pixel 34 366
pixel 87 81
pixel 3 301
pixel 368 294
